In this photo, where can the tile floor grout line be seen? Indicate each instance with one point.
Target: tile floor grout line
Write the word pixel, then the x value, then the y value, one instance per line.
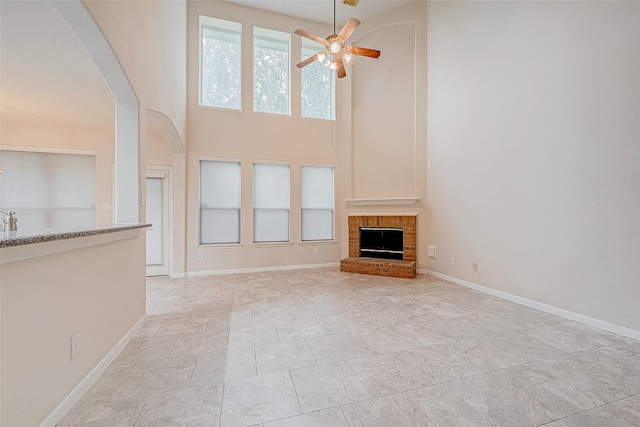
pixel 418 406
pixel 141 410
pixel 581 371
pixel 492 402
pixel 224 384
pixel 121 381
pixel 296 392
pixel 345 417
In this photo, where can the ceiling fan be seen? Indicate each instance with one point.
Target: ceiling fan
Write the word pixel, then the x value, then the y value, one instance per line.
pixel 336 51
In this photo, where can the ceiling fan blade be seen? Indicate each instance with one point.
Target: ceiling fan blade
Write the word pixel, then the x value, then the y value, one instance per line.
pixel 310 36
pixel 348 28
pixel 340 69
pixel 363 51
pixel 307 61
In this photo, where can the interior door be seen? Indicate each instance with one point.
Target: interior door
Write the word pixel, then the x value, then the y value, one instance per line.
pixel 158 216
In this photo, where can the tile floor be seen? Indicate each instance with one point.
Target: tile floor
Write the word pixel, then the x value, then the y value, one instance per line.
pixel 320 348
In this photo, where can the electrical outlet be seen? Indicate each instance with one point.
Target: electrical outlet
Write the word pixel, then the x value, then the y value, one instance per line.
pixel 75 345
pixel 200 257
pixel 431 251
pixel 475 266
pixel 453 261
pixel 106 206
pixel 316 251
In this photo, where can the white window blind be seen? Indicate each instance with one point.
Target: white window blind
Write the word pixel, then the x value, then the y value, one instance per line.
pixel 219 202
pixel 221 63
pixel 271 71
pixel 318 85
pixel 48 190
pixel 270 203
pixel 317 203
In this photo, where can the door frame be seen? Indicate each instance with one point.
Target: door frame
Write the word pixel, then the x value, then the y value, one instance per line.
pixel 166 174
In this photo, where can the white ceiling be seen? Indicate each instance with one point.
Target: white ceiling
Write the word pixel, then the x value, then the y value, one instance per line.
pixel 322 10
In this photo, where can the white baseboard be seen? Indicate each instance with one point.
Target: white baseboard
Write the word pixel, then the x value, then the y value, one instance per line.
pixel 422 271
pixel 68 403
pixel 262 269
pixel 611 327
pixel 177 275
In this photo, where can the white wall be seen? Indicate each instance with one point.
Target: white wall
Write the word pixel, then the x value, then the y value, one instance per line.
pixel 533 133
pixel 248 137
pixel 149 39
pixel 45 301
pixel 386 130
pixel 379 152
pixel 98 291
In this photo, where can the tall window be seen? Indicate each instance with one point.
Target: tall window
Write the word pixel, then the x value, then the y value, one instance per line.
pixel 220 63
pixel 219 202
pixel 270 71
pixel 48 190
pixel 318 85
pixel 317 203
pixel 270 203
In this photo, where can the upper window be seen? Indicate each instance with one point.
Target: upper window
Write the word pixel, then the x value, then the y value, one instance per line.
pixel 270 203
pixel 220 63
pixel 219 202
pixel 317 203
pixel 318 85
pixel 271 71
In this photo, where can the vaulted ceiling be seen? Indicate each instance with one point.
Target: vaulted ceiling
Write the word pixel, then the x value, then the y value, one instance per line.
pixel 322 10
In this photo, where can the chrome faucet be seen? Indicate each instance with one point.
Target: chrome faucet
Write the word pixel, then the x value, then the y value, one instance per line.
pixel 10 222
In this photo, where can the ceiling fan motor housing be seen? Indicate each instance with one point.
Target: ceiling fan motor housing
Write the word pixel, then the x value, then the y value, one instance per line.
pixel 353 3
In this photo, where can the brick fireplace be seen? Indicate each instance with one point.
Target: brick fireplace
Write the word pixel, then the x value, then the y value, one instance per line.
pixel 405 268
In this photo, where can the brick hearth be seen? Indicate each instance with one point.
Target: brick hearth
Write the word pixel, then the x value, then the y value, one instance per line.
pixel 382 267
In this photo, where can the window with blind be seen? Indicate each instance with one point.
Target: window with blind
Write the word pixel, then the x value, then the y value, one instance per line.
pixel 270 203
pixel 48 190
pixel 220 63
pixel 219 202
pixel 318 85
pixel 317 203
pixel 271 71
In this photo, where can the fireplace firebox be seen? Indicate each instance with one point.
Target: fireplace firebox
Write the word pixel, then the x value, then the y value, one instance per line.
pixel 382 242
pixel 362 262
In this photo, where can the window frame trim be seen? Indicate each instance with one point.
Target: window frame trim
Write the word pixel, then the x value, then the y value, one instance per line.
pixel 319 165
pixel 217 159
pixel 202 22
pixel 253 208
pixel 253 60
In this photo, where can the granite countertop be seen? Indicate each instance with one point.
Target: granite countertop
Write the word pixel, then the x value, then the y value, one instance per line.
pixel 28 237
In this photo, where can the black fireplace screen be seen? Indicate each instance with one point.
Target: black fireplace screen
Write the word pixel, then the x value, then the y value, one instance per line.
pixel 380 242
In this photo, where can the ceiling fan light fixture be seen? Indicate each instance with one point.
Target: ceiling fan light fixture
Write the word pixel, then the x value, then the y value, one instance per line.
pixel 335 49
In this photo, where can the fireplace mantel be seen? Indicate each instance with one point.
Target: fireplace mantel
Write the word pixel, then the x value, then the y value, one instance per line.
pixel 383 202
